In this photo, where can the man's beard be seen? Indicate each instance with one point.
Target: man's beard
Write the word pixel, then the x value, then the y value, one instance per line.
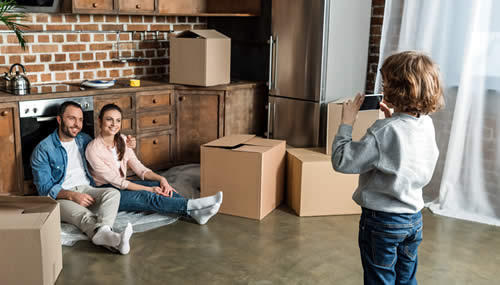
pixel 66 132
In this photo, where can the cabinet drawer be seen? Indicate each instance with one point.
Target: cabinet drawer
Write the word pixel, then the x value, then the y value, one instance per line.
pixel 154 100
pixel 148 120
pixel 93 4
pixel 155 151
pixel 125 102
pixel 136 5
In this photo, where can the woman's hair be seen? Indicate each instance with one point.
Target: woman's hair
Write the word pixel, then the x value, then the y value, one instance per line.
pixel 120 144
pixel 411 83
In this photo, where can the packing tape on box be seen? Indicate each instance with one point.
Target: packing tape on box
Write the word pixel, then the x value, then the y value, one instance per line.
pixel 135 83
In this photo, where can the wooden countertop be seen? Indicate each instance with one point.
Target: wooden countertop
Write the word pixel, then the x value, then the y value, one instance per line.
pixel 122 86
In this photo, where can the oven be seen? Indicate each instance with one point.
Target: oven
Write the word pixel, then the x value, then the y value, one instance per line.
pixel 38 120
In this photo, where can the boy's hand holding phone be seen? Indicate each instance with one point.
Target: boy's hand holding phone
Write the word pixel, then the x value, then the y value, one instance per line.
pixel 350 110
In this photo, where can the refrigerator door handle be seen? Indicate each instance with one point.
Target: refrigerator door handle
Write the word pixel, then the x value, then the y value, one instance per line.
pixel 275 65
pixel 274 119
pixel 271 45
pixel 268 132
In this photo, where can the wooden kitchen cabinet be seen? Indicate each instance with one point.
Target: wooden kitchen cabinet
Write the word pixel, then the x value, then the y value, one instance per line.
pixel 126 102
pixel 205 115
pixel 11 170
pixel 136 7
pixel 155 125
pixel 165 7
pixel 198 122
pixel 90 6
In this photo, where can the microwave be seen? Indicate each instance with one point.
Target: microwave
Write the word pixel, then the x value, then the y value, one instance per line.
pixel 40 6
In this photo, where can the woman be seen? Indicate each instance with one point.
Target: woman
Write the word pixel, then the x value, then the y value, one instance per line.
pixel 109 158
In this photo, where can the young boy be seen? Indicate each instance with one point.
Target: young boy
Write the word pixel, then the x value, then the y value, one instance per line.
pixel 395 160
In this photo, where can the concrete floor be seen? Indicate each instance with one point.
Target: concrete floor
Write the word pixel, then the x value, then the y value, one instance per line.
pixel 281 249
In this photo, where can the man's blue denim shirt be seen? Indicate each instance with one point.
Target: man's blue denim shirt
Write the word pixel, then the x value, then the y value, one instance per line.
pixel 49 161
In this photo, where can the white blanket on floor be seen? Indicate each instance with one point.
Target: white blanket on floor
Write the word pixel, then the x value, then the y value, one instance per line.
pixel 185 179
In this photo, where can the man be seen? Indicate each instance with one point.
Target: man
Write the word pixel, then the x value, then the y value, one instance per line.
pixel 60 171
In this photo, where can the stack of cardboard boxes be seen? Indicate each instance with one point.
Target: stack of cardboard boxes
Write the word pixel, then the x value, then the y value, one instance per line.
pixel 251 173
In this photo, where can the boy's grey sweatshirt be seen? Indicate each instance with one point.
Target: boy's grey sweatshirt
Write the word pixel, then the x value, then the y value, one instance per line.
pixel 395 160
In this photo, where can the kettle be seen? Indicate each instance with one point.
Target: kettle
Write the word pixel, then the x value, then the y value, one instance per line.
pixel 19 84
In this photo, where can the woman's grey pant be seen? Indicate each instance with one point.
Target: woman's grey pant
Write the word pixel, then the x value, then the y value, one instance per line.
pixel 102 212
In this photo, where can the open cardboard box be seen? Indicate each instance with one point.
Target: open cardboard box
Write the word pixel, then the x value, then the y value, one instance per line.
pixel 200 57
pixel 248 169
pixel 30 246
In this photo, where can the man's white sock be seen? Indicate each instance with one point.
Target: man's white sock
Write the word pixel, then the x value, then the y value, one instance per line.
pixel 202 216
pixel 124 246
pixel 106 237
pixel 206 202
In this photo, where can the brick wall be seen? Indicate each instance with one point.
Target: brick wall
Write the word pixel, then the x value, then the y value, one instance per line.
pixel 71 57
pixel 373 50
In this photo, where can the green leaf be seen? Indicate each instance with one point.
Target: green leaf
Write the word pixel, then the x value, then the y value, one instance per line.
pixel 11 18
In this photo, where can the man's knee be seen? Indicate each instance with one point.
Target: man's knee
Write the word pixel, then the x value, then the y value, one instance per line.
pixel 111 193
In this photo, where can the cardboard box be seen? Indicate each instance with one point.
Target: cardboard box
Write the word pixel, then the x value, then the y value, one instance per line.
pixel 30 247
pixel 314 188
pixel 200 57
pixel 248 169
pixel 334 118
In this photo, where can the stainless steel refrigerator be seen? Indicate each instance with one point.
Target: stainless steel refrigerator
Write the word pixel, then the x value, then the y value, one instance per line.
pixel 318 52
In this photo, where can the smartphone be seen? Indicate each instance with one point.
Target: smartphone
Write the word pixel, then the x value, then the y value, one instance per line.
pixel 371 102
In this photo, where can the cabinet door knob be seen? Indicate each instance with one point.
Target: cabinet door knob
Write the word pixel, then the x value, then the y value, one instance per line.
pixel 154 101
pixel 138 6
pixel 5 113
pixel 155 142
pixel 181 98
pixel 154 121
pixel 94 5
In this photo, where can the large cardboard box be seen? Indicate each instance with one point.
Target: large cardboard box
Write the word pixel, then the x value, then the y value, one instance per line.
pixel 200 57
pixel 314 188
pixel 248 169
pixel 30 243
pixel 334 118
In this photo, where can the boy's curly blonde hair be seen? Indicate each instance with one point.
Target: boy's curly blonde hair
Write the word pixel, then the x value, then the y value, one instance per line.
pixel 411 83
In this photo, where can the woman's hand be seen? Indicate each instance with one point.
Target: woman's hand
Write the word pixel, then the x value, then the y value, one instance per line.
pixel 166 188
pixel 350 109
pixel 158 190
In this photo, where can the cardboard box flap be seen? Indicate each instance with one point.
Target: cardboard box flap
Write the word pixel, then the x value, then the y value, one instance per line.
pixel 26 200
pixel 230 141
pixel 253 148
pixel 206 34
pixel 23 221
pixel 10 210
pixel 263 142
pixel 309 155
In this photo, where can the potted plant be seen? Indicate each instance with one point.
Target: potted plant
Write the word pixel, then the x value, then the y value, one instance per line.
pixel 10 16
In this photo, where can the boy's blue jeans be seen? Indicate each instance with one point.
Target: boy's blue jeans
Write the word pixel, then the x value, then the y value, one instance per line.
pixel 139 201
pixel 388 244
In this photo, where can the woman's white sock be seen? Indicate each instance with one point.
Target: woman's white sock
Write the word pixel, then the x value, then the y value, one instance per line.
pixel 106 237
pixel 206 202
pixel 201 216
pixel 124 246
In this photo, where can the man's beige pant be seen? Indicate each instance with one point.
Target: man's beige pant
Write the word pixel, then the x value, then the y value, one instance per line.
pixel 102 212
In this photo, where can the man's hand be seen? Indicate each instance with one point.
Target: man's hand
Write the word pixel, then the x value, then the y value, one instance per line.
pixel 131 142
pixel 82 199
pixel 350 109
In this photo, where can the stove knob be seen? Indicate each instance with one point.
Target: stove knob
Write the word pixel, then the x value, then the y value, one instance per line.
pixel 26 111
pixel 86 105
pixel 35 110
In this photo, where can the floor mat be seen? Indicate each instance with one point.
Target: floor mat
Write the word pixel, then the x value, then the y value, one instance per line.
pixel 185 179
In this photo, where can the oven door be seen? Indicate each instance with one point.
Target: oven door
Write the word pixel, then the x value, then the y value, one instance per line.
pixel 35 129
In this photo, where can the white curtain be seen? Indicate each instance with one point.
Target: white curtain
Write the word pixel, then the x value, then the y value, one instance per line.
pixel 463 37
